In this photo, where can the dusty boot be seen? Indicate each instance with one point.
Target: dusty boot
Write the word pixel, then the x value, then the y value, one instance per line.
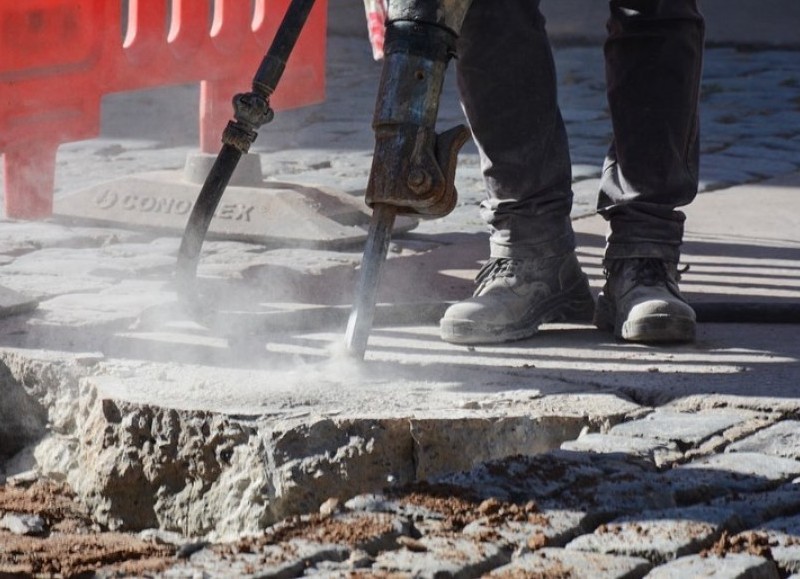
pixel 515 296
pixel 640 302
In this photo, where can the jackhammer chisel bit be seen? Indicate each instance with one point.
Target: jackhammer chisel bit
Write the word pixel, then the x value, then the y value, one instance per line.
pixel 251 111
pixel 413 168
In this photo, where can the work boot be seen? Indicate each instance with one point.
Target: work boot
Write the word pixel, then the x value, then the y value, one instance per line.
pixel 515 296
pixel 640 302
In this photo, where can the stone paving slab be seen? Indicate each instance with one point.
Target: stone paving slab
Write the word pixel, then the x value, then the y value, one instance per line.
pixel 659 536
pixel 681 428
pixel 286 560
pixel 782 440
pixel 730 472
pixel 658 451
pixel 442 557
pixel 757 508
pixel 551 562
pixel 730 566
pixel 784 539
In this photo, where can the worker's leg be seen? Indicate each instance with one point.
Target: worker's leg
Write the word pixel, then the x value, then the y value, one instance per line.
pixel 653 67
pixel 507 81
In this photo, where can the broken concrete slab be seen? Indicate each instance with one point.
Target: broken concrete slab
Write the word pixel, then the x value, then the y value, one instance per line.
pixel 250 462
pixel 22 419
pixel 783 536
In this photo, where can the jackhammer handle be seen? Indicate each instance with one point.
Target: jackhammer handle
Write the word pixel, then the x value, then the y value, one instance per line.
pixel 251 111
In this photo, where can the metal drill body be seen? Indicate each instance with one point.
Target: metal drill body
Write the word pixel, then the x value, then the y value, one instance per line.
pixel 413 168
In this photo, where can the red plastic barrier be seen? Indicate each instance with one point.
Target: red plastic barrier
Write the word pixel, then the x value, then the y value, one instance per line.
pixel 59 57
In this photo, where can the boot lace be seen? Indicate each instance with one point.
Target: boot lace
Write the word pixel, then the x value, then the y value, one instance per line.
pixel 652 271
pixel 495 268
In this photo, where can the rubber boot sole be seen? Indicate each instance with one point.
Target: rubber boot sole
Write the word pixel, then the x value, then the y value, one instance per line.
pixel 657 328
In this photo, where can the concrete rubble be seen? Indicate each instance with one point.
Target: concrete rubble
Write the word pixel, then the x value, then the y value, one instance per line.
pixel 223 425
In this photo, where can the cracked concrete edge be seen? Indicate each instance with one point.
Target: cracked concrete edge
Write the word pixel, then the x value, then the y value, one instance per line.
pixel 213 474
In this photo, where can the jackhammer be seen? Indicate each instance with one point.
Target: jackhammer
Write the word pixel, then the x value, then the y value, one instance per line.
pixel 413 168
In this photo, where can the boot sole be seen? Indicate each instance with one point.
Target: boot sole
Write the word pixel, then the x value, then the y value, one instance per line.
pixel 651 329
pixel 574 305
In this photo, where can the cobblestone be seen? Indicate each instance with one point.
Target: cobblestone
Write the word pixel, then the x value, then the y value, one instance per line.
pixel 784 540
pixel 658 451
pixel 568 563
pixel 659 536
pixel 782 440
pixel 681 428
pixel 731 566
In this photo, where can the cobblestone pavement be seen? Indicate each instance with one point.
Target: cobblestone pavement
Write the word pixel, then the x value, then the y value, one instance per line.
pixel 750 127
pixel 668 495
pixel 700 490
pixel 672 494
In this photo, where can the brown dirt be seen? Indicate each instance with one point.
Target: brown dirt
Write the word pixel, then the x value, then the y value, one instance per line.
pixel 71 544
pixel 459 507
pixel 353 531
pixel 750 542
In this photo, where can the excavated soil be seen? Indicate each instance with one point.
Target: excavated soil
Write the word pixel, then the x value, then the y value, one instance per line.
pixel 68 543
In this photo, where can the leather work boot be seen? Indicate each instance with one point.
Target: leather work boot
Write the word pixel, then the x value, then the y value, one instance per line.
pixel 640 302
pixel 515 296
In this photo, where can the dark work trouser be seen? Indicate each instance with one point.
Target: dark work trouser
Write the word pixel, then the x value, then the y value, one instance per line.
pixel 507 81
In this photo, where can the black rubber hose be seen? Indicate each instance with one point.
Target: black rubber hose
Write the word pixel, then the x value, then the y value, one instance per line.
pixel 251 111
pixel 747 312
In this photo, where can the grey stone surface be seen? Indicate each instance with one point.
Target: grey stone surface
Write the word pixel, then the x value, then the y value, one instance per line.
pixel 23 524
pixel 782 439
pixel 544 476
pixel 730 472
pixel 22 419
pixel 443 557
pixel 683 429
pixel 283 560
pixel 730 566
pixel 568 563
pixel 659 451
pixel 783 536
pixel 659 536
pixel 757 508
pixel 465 444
